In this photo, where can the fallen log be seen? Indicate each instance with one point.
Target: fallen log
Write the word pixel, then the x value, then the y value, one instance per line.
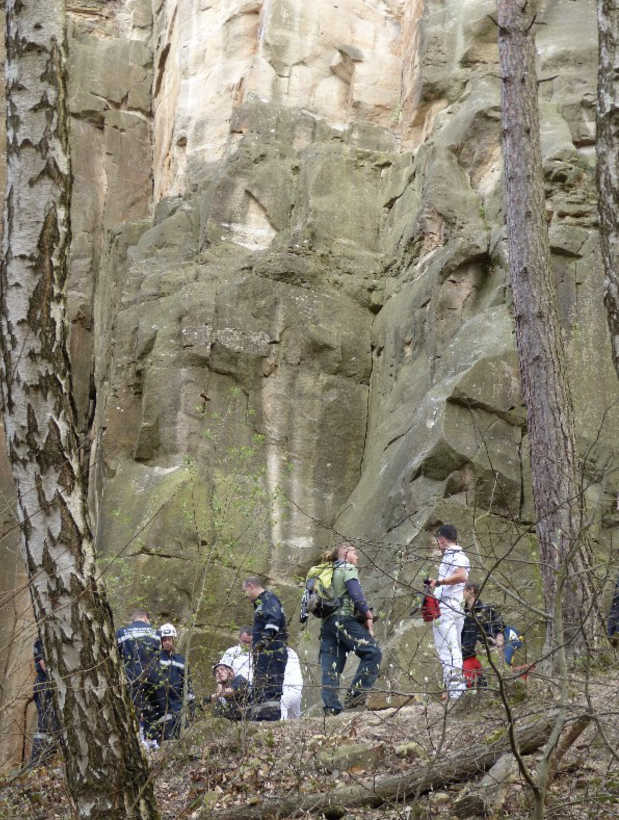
pixel 487 798
pixel 462 765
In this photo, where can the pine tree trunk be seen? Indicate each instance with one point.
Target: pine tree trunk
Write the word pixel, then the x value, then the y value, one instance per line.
pixel 106 770
pixel 550 416
pixel 607 147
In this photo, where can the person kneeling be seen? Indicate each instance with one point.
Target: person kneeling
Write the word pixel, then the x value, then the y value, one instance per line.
pixel 231 695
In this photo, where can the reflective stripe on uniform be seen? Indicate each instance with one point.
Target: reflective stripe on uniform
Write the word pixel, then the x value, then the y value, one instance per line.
pixel 178 664
pixel 136 633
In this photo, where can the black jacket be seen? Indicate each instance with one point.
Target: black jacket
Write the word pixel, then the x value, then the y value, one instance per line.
pixel 489 623
pixel 269 621
pixel 172 673
pixel 613 616
pixel 38 657
pixel 234 706
pixel 139 646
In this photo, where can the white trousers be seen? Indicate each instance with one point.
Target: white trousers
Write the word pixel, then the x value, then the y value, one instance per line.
pixel 447 632
pixel 290 703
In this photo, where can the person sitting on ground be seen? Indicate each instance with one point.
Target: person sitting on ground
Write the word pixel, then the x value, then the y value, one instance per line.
pixel 230 699
pixel 172 674
pixel 239 656
pixel 343 632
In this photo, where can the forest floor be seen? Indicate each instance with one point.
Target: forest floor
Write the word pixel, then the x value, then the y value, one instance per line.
pixel 247 768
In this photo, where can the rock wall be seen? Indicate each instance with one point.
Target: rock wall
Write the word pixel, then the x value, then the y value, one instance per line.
pixel 289 304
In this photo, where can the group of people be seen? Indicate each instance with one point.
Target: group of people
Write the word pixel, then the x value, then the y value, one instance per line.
pixel 260 678
pixel 158 680
pixel 464 621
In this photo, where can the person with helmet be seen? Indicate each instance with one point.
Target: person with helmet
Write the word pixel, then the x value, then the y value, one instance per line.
pixel 239 657
pixel 139 646
pixel 172 675
pixel 231 697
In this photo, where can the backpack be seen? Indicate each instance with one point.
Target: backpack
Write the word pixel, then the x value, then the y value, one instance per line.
pixel 430 608
pixel 318 596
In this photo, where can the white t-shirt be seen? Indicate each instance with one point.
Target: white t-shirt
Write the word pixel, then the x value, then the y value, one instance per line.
pixel 239 658
pixel 453 559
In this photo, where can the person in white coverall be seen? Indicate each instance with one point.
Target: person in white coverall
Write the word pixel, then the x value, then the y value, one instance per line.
pixel 448 588
pixel 239 659
pixel 293 687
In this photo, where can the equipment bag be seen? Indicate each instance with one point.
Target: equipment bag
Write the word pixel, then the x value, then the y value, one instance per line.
pixel 318 596
pixel 430 609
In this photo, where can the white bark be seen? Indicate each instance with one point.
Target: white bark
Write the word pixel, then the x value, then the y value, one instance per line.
pixel 607 146
pixel 106 771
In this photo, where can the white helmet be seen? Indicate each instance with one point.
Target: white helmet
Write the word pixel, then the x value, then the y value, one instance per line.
pixel 167 631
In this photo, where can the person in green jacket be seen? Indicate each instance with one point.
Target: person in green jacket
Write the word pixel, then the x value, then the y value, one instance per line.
pixel 349 629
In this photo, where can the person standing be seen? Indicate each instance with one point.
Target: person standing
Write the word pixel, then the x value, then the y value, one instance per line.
pixel 269 639
pixel 172 674
pixel 613 618
pixel 448 588
pixel 349 629
pixel 45 739
pixel 292 688
pixel 139 647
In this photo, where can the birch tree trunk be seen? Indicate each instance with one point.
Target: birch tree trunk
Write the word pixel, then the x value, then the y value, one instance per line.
pixel 607 147
pixel 106 770
pixel 545 387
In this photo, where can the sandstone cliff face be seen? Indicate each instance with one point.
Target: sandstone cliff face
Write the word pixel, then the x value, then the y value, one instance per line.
pixel 288 296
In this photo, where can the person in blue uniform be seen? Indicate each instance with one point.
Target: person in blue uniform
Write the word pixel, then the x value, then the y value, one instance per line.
pixel 139 647
pixel 45 739
pixel 269 648
pixel 613 618
pixel 172 674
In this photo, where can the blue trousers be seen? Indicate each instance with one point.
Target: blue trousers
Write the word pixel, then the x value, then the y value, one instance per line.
pixel 512 643
pixel 269 667
pixel 48 729
pixel 341 634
